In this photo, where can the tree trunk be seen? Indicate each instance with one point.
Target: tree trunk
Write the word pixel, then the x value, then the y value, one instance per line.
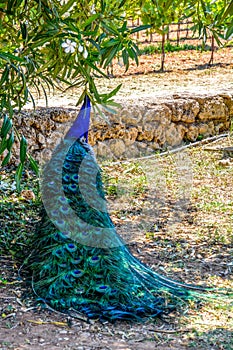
pixel 178 35
pixel 211 61
pixel 187 29
pixel 151 36
pixel 168 34
pixel 138 23
pixel 163 53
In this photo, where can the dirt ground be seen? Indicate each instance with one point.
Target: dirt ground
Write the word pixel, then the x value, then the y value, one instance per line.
pixel 23 325
pixel 186 72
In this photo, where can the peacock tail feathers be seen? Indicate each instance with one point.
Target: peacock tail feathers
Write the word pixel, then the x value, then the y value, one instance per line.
pixel 79 262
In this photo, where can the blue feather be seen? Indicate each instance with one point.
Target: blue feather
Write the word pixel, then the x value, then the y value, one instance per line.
pixel 73 188
pixel 76 260
pixel 63 200
pixel 77 273
pixel 71 247
pixel 64 209
pixel 75 177
pixel 81 124
pixel 60 223
pixel 66 178
pixel 94 260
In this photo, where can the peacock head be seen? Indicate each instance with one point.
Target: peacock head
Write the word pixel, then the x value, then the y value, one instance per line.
pixel 80 127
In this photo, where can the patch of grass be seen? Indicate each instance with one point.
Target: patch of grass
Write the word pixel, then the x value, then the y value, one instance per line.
pixel 128 179
pixel 169 47
pixel 18 214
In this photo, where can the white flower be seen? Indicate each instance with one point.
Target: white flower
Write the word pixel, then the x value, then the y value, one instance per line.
pixel 92 11
pixel 85 53
pixel 69 46
pixel 80 48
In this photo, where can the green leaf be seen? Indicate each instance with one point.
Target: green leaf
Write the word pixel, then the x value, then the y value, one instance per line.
pixel 33 164
pixel 6 126
pixel 168 3
pixel 229 32
pixel 103 5
pixel 10 141
pixel 111 42
pixel 121 3
pixel 94 43
pixel 18 176
pixel 217 38
pixel 23 149
pixel 10 5
pixel 106 97
pixel 108 109
pixel 81 97
pixel 6 159
pixel 138 29
pixel 23 28
pixel 204 9
pixel 5 75
pixel 94 90
pixel 125 59
pixel 6 56
pixel 114 92
pixel 111 29
pixel 111 54
pixel 131 53
pixel 90 20
pixel 67 6
pixel 97 69
pixel 3 145
pixel 229 11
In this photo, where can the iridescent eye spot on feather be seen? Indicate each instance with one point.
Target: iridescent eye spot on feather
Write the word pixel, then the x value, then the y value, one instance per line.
pixel 51 184
pixel 98 231
pixel 66 166
pixel 76 260
pixel 65 188
pixel 79 290
pixel 113 291
pixel 66 178
pixel 94 259
pixel 71 247
pixel 60 223
pixel 62 265
pixel 77 273
pixel 64 234
pixel 62 199
pixel 64 209
pixel 102 289
pixel 58 252
pixel 54 212
pixel 74 177
pixel 69 157
pixel 73 188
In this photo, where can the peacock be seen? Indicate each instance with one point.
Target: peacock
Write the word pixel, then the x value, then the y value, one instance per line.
pixel 79 263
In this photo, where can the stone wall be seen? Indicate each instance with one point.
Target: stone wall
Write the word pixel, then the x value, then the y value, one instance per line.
pixel 138 128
